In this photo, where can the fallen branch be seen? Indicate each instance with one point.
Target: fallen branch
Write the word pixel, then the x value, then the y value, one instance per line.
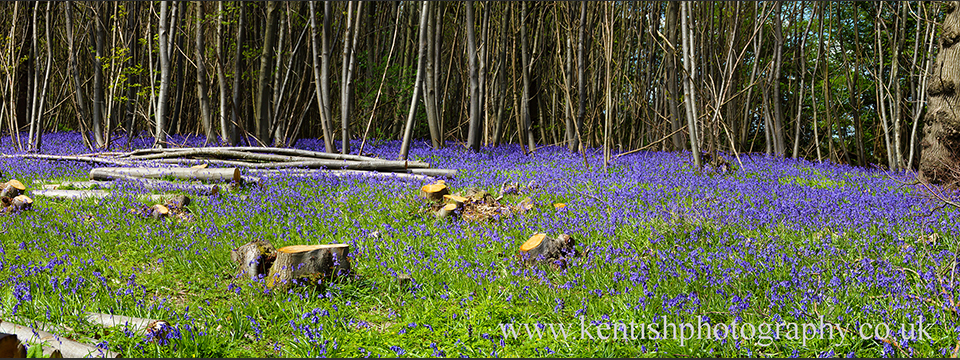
pixel 383 165
pixel 337 173
pixel 274 150
pixel 87 159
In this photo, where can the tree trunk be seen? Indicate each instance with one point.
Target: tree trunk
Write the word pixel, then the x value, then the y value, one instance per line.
pixel 526 132
pixel 689 94
pixel 265 77
pixel 345 90
pixel 581 81
pixel 236 102
pixel 430 83
pixel 73 68
pixel 608 96
pixel 132 79
pixel 324 122
pixel 473 134
pixel 421 59
pixel 940 154
pixel 164 46
pixel 202 96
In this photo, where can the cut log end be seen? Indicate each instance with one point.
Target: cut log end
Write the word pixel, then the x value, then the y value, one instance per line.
pixel 555 251
pixel 434 191
pixel 533 242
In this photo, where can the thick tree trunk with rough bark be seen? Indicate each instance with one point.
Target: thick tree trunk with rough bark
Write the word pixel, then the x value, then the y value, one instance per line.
pixel 940 157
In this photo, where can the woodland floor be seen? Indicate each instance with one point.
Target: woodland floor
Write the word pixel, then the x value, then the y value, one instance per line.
pixel 773 241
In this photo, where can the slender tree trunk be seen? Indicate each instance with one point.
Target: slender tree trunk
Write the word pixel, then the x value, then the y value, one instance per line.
pixel 324 122
pixel 430 83
pixel 484 88
pixel 689 95
pixel 345 83
pixel 421 58
pixel 608 109
pixel 98 35
pixel 918 110
pixel 202 96
pixel 222 78
pixel 133 82
pixel 238 66
pixel 164 46
pixel 265 77
pixel 777 130
pixel 473 134
pixel 670 61
pixel 34 72
pixel 527 127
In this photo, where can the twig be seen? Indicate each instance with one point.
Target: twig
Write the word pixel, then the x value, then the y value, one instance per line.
pixel 650 144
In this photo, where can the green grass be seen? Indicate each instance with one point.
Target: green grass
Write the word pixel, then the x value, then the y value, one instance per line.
pixel 181 272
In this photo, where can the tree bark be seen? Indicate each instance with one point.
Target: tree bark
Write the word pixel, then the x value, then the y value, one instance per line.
pixel 164 46
pixel 430 83
pixel 73 69
pixel 319 262
pixel 670 61
pixel 473 134
pixel 265 77
pixel 226 174
pixel 421 59
pixel 940 155
pixel 526 132
pixel 202 96
pixel 689 94
pixel 314 44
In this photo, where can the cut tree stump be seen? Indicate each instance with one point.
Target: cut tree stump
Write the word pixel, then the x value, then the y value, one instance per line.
pixel 311 261
pixel 67 347
pixel 447 210
pixel 254 258
pixel 22 203
pixel 219 174
pixel 540 247
pixel 434 191
pixel 12 188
